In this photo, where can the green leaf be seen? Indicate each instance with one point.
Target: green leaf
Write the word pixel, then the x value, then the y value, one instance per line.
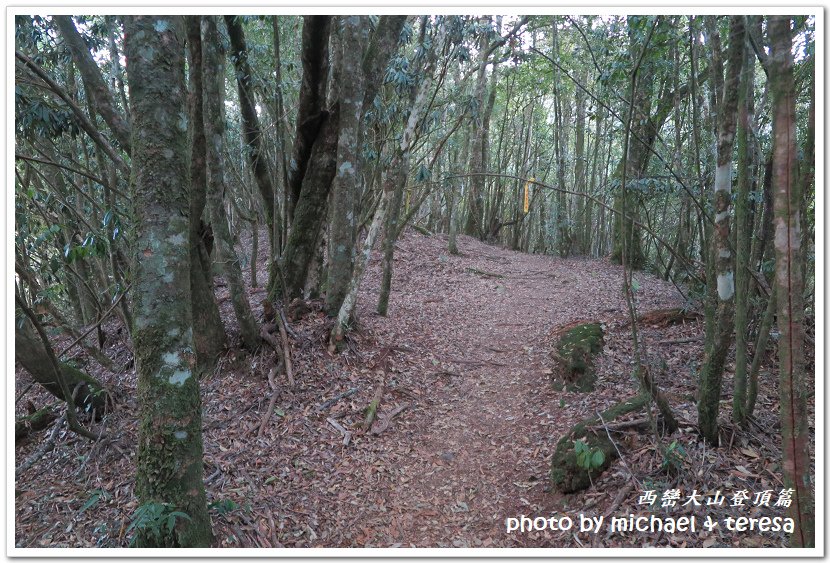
pixel 597 459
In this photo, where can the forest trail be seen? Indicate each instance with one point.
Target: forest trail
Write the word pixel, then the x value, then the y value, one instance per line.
pixel 465 349
pixel 476 450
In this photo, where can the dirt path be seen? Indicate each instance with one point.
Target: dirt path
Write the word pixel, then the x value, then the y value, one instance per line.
pixel 479 446
pixel 464 348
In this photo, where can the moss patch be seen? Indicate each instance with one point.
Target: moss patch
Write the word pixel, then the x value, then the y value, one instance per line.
pixel 566 475
pixel 574 352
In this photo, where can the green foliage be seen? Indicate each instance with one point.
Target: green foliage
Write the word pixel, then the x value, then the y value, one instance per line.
pixel 155 521
pixel 586 457
pixel 224 506
pixel 673 457
pixel 95 496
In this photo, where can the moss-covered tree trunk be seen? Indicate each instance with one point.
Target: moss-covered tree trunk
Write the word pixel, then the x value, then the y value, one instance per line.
pixel 314 160
pixel 170 410
pixel 213 78
pixel 344 192
pixel 795 384
pixel 208 332
pixel 711 372
pixel 30 352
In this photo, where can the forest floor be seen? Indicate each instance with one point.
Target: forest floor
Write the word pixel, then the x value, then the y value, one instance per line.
pixel 468 421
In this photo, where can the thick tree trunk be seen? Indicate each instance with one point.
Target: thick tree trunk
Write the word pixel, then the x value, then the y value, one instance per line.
pixel 345 191
pixel 213 95
pixel 794 382
pixel 311 104
pixel 170 409
pixel 313 162
pixel 208 332
pixel 356 95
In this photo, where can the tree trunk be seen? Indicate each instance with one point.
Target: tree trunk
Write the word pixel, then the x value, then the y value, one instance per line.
pixel 170 409
pixel 399 168
pixel 794 381
pixel 743 235
pixel 252 134
pixel 345 190
pixel 214 126
pixel 208 332
pixel 30 352
pixel 93 81
pixel 711 373
pixel 314 160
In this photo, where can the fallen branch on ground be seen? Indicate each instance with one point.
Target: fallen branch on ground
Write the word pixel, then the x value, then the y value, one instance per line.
pixel 343 395
pixel 47 446
pixel 484 273
pixel 372 410
pixel 273 402
pixel 347 435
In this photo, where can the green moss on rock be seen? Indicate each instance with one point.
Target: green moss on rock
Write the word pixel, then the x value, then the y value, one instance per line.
pixel 575 351
pixel 566 475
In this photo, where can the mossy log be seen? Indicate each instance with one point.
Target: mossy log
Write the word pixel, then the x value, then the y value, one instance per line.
pixel 566 475
pixel 574 351
pixel 38 420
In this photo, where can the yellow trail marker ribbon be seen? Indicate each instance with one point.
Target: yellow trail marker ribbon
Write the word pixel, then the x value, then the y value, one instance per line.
pixel 527 194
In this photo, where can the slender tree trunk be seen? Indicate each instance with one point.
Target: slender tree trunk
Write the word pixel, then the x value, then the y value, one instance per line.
pixel 711 374
pixel 794 381
pixel 252 135
pixel 743 235
pixel 208 332
pixel 94 81
pixel 170 408
pixel 214 125
pixel 395 181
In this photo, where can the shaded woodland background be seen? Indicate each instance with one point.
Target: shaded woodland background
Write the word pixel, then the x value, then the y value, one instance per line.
pixel 216 218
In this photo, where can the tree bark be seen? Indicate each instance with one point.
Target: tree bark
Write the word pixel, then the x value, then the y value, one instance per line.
pixel 252 135
pixel 794 381
pixel 345 189
pixel 170 409
pixel 93 81
pixel 214 126
pixel 743 235
pixel 30 352
pixel 711 373
pixel 208 332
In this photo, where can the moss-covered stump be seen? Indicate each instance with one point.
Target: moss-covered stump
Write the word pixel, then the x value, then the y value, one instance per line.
pixel 574 351
pixel 567 475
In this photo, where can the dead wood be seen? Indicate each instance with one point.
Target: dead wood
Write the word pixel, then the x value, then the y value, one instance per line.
pixel 384 421
pixel 484 274
pixel 347 435
pixel 372 409
pixel 332 401
pixel 273 402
